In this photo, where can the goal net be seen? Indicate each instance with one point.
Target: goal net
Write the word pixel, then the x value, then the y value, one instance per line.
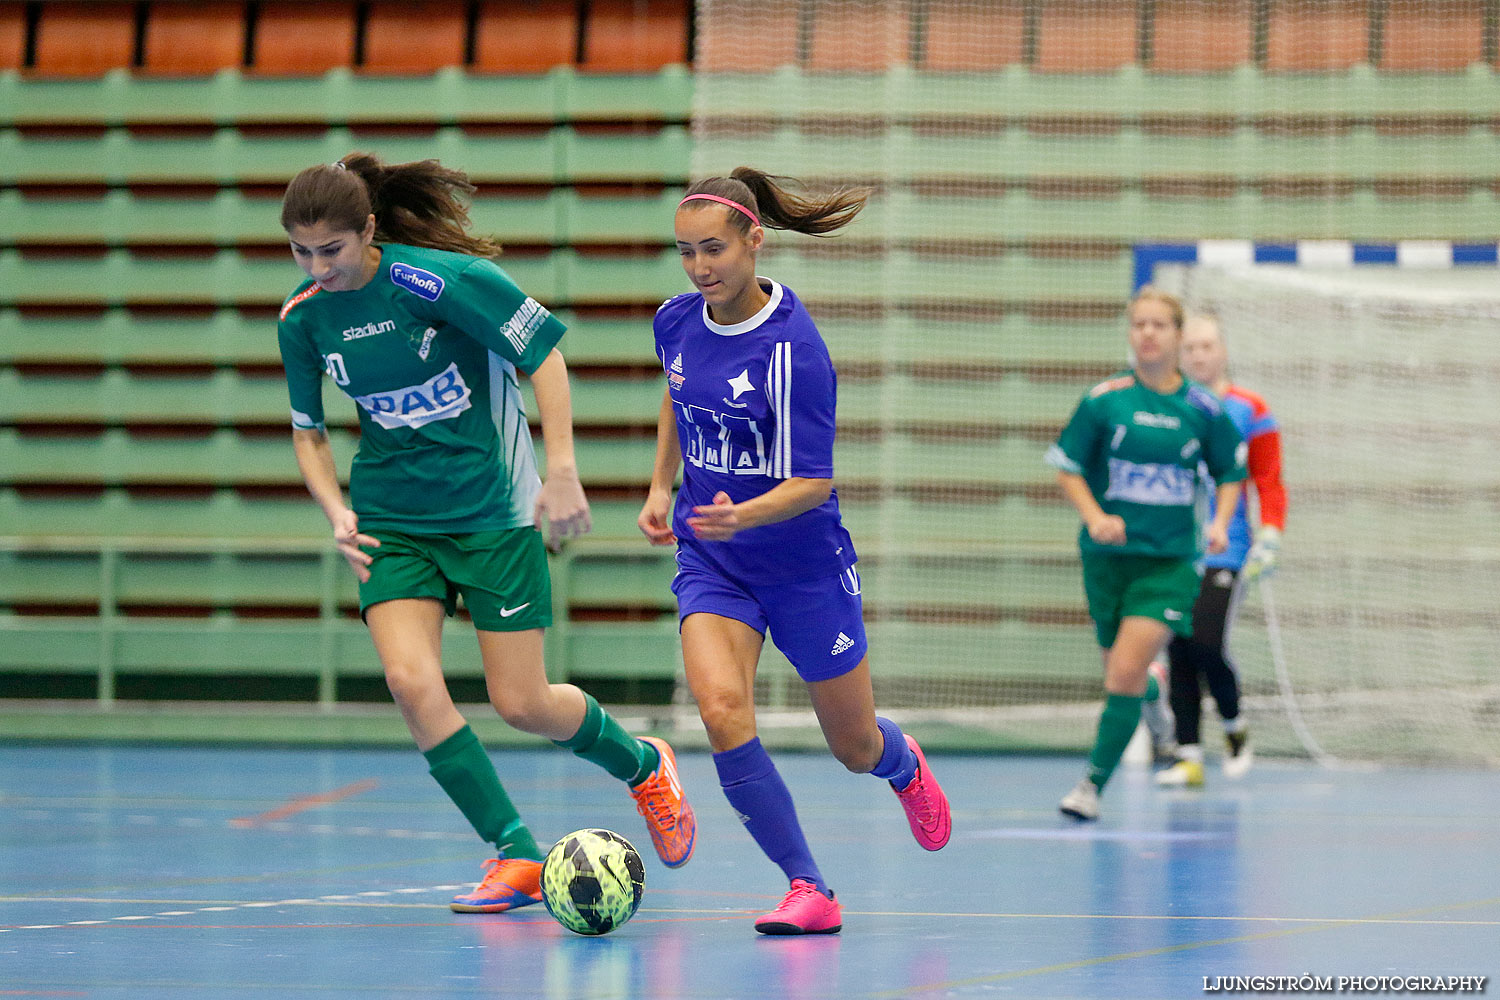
pixel 1384 382
pixel 1018 150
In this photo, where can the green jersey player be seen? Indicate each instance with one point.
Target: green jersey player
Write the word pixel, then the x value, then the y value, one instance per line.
pixel 409 317
pixel 1132 461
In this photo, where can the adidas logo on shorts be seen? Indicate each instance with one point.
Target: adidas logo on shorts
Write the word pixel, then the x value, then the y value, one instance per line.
pixel 841 644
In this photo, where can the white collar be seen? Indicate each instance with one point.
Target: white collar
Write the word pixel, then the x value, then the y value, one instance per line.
pixel 745 326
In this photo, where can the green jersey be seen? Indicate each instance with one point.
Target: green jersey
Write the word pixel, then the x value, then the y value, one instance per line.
pixel 429 349
pixel 1149 458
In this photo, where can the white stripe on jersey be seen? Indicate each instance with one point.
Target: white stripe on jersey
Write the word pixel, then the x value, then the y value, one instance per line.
pixel 779 388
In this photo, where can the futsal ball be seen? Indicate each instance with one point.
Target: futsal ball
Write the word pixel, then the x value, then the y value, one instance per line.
pixel 592 881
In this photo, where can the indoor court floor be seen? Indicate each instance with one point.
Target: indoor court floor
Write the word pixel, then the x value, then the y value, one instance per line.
pixel 132 871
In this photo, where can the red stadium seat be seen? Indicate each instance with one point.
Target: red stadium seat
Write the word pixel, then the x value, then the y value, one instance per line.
pixel 526 37
pixel 964 38
pixel 859 36
pixel 1190 36
pixel 635 36
pixel 1328 36
pixel 194 38
pixel 1441 36
pixel 84 39
pixel 414 36
pixel 12 35
pixel 1086 36
pixel 756 38
pixel 295 37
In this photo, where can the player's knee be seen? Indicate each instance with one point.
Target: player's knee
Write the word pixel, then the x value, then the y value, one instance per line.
pixel 411 683
pixel 522 710
pixel 859 754
pixel 725 712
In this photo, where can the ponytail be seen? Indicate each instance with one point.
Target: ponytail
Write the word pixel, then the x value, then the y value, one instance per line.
pixel 765 196
pixel 422 203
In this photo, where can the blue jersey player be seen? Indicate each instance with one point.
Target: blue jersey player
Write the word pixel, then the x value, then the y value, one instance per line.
pixel 749 416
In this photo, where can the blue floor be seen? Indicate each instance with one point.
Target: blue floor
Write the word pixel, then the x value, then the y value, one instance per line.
pixel 162 873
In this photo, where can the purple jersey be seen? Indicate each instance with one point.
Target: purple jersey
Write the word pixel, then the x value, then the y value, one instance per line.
pixel 755 406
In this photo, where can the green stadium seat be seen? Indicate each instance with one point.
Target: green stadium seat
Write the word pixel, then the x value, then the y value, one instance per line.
pixel 119 336
pixel 1007 583
pixel 592 218
pixel 611 402
pixel 230 217
pixel 116 397
pixel 923 525
pixel 337 97
pixel 181 577
pixel 644 154
pixel 223 277
pixel 609 577
pixel 116 457
pixel 828 274
pixel 229 337
pixel 665 96
pixel 596 340
pixel 230 156
pixel 646 277
pixel 1041 654
pixel 610 460
pixel 1013 337
pixel 1010 462
pixel 126 513
pixel 625 650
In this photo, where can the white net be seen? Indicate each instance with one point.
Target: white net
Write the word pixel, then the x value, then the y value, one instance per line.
pixel 1384 381
pixel 1019 149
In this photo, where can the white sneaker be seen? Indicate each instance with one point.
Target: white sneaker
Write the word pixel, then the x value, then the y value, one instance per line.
pixel 1082 802
pixel 1240 756
pixel 1184 773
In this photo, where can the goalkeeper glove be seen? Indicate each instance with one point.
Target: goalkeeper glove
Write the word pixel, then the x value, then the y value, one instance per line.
pixel 1263 554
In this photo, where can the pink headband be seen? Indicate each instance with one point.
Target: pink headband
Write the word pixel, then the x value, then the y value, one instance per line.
pixel 722 201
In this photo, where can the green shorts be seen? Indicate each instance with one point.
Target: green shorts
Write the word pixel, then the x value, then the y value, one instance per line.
pixel 502 575
pixel 1122 586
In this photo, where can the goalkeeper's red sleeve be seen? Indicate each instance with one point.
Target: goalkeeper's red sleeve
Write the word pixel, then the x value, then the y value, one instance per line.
pixel 1265 470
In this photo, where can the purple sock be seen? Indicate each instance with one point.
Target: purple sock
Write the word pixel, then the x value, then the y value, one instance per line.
pixel 898 764
pixel 757 793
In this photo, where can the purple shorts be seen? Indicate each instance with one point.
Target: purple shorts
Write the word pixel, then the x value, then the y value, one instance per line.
pixel 818 624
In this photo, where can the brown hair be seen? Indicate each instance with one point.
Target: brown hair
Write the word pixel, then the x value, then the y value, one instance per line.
pixel 767 196
pixel 1150 293
pixel 422 203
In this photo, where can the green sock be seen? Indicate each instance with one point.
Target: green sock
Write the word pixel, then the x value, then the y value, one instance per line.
pixel 467 774
pixel 1153 690
pixel 1122 713
pixel 603 741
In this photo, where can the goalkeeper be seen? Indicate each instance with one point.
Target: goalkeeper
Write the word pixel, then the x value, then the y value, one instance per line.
pixel 1205 359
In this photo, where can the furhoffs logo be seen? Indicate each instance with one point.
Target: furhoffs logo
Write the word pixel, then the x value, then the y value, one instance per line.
pixel 423 284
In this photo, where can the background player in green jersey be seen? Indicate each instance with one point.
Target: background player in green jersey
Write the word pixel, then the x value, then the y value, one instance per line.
pixel 1129 460
pixel 408 316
